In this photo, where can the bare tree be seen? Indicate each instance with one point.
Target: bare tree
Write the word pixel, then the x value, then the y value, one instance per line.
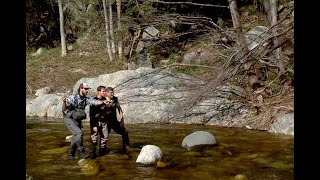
pixel 119 29
pixel 271 10
pixel 113 46
pixel 266 6
pixel 107 30
pixel 62 33
pixel 274 20
pixel 241 40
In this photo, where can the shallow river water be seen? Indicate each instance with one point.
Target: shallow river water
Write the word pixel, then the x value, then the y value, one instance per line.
pixel 239 153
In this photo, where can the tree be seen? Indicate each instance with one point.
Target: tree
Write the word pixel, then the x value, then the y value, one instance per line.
pixel 119 29
pixel 270 8
pixel 107 30
pixel 113 47
pixel 62 33
pixel 241 40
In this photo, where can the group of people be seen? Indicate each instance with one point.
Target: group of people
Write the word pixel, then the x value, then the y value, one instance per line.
pixel 103 118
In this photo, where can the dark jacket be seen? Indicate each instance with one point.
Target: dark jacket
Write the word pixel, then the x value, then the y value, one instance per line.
pixel 111 109
pixel 97 113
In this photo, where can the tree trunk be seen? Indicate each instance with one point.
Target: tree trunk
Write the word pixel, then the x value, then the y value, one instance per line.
pixel 106 19
pixel 237 24
pixel 119 29
pixel 113 46
pixel 62 33
pixel 274 20
pixel 280 65
pixel 241 40
pixel 266 6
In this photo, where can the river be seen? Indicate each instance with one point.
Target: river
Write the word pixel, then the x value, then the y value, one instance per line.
pixel 239 153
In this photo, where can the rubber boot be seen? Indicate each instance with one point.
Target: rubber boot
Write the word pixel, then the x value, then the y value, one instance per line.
pixel 71 153
pixel 82 154
pixel 93 154
pixel 103 151
pixel 125 141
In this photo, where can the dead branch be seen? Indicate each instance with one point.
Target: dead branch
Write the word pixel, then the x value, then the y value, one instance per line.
pixel 270 28
pixel 29 88
pixel 246 55
pixel 190 3
pixel 134 40
pixel 165 19
pixel 262 89
pixel 226 75
pixel 137 5
pixel 196 65
pixel 197 19
pixel 227 47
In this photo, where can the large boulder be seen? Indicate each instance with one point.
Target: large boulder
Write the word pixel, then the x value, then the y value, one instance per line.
pixel 198 138
pixel 46 105
pixel 153 95
pixel 284 124
pixel 42 91
pixel 257 35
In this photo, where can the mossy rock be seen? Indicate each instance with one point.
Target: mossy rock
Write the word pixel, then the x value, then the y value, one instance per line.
pixel 89 167
pixel 240 177
pixel 83 162
pixel 161 164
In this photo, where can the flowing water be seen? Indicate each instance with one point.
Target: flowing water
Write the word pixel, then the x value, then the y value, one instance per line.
pixel 239 153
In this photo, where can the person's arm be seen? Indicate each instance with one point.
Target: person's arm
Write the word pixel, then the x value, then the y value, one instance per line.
pixel 92 101
pixel 120 112
pixel 91 115
pixel 121 116
pixel 66 102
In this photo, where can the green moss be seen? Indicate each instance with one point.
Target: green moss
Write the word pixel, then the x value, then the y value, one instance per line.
pixel 189 70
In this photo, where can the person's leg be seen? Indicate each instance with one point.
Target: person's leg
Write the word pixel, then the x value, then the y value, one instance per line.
pixel 94 138
pixel 77 136
pixel 74 129
pixel 104 134
pixel 123 131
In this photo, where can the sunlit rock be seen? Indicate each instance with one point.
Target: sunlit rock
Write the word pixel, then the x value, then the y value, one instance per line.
pixel 198 138
pixel 161 164
pixel 149 154
pixel 88 166
pixel 42 91
pixel 284 124
pixel 68 138
pixel 240 177
pixel 28 177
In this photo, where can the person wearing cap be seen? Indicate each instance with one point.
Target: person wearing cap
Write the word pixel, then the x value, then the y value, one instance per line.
pixel 74 112
pixel 111 107
pixel 98 124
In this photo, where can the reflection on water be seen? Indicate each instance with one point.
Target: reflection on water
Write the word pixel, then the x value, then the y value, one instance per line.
pixel 246 153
